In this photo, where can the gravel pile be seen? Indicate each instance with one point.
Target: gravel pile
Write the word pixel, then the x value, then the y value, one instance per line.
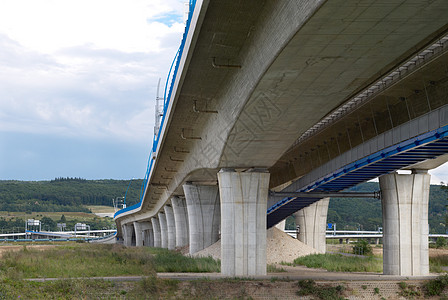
pixel 280 247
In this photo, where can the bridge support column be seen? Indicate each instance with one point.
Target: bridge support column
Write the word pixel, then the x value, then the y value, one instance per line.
pixel 203 215
pixel 138 234
pixel 163 230
pixel 157 236
pixel 181 220
pixel 148 234
pixel 128 230
pixel 281 225
pixel 312 222
pixel 405 223
pixel 171 227
pixel 243 222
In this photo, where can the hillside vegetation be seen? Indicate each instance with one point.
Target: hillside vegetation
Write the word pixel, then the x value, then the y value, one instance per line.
pixel 64 194
pixel 74 194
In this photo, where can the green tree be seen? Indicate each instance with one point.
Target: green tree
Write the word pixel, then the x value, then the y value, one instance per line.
pixel 63 220
pixel 48 224
pixel 362 247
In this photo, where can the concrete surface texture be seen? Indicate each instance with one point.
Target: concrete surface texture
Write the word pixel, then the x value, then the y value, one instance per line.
pixel 243 222
pixel 138 234
pixel 147 233
pixel 281 225
pixel 128 230
pixel 297 61
pixel 312 222
pixel 163 230
pixel 204 215
pixel 405 223
pixel 171 227
pixel 157 236
pixel 148 238
pixel 181 220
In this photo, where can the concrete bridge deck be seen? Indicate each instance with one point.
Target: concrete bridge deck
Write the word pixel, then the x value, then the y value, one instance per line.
pixel 320 94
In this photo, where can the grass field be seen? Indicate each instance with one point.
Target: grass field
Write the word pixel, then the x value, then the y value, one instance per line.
pixel 341 263
pixel 81 216
pixel 97 260
pixel 100 209
pixel 72 261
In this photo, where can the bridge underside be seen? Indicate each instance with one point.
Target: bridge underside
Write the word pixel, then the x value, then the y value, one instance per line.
pixel 256 76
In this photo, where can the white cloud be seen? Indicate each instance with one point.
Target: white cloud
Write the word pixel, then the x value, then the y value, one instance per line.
pixel 49 25
pixel 439 174
pixel 85 67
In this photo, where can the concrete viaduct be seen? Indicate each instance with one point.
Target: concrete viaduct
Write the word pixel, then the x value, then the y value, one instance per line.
pixel 299 97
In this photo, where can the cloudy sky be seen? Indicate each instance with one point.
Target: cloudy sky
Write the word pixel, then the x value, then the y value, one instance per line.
pixel 78 82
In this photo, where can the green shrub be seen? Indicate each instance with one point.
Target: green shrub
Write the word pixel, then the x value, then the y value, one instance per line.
pixel 309 287
pixel 436 286
pixel 362 247
pixel 441 242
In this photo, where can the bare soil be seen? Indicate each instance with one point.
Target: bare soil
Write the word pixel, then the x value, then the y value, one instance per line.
pixel 8 248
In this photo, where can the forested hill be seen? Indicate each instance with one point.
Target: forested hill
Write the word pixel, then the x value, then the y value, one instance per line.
pixel 71 194
pixel 64 194
pixel 366 214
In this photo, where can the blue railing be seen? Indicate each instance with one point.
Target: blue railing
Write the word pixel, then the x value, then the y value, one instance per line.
pixel 171 79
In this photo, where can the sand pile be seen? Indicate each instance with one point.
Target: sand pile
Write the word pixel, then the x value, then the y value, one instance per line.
pixel 280 247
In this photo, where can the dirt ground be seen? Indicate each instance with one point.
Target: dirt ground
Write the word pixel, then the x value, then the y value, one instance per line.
pixel 9 248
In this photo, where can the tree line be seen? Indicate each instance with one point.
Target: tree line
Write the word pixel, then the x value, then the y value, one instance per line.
pixel 65 194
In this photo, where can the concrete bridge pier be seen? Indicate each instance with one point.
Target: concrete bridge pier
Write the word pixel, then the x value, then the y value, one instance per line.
pixel 281 225
pixel 203 215
pixel 181 221
pixel 138 234
pixel 405 223
pixel 163 230
pixel 156 229
pixel 243 221
pixel 128 234
pixel 147 234
pixel 312 222
pixel 171 227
